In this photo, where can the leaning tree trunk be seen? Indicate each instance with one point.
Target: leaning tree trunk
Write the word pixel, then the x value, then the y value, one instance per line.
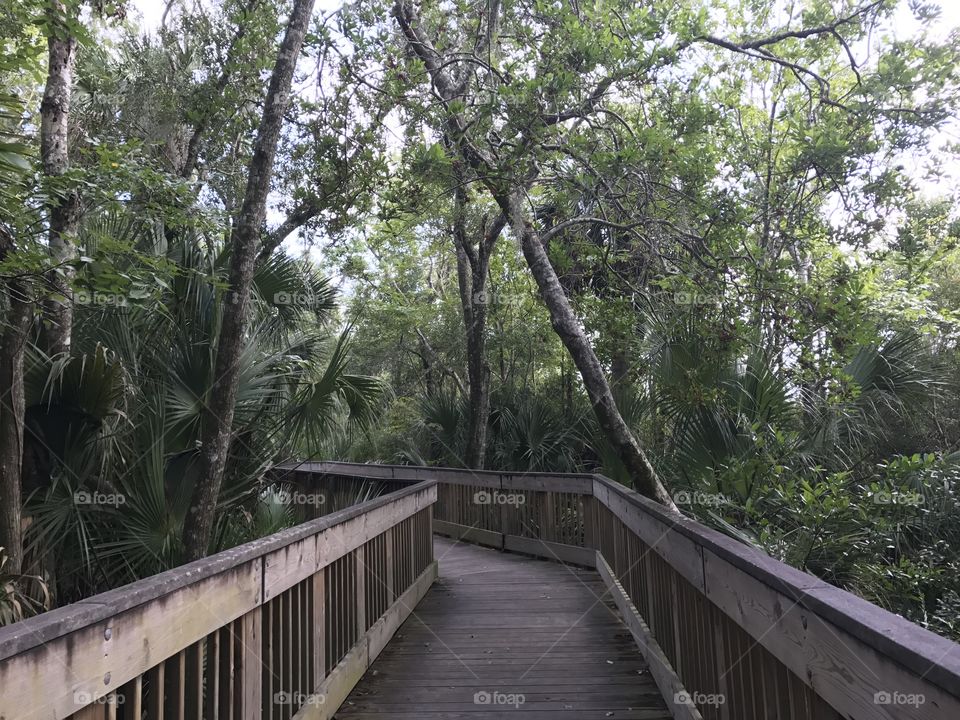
pixel 568 327
pixel 63 206
pixel 218 414
pixel 12 347
pixel 562 317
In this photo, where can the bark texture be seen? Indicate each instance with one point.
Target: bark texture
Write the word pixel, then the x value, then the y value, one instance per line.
pixel 64 204
pixel 218 414
pixel 568 327
pixel 12 347
pixel 473 264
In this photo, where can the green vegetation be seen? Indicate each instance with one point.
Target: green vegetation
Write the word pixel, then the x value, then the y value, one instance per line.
pixel 708 249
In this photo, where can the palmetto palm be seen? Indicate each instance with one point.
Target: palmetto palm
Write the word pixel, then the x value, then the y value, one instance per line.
pixel 122 416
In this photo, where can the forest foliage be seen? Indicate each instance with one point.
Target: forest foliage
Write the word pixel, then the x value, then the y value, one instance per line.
pixel 708 249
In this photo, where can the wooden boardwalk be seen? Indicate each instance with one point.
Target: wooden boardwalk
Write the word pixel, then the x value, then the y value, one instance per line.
pixel 501 635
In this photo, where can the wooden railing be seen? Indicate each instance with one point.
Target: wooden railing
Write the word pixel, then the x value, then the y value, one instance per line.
pixel 279 628
pixel 728 632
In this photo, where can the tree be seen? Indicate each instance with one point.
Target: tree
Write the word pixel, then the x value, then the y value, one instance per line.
pixel 218 417
pixel 20 267
pixel 473 267
pixel 63 205
pixel 530 118
pixel 508 185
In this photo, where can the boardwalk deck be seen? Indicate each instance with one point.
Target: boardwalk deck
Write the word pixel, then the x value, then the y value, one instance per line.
pixel 502 635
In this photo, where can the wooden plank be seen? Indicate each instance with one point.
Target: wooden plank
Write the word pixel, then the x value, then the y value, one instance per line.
pixel 157 685
pixel 250 677
pixel 287 566
pixel 470 534
pixel 384 629
pixel 330 694
pixel 682 553
pixel 671 687
pixel 559 552
pixel 134 698
pixel 813 649
pixel 578 484
pixel 98 659
pixel 459 646
pixel 319 629
pixel 360 575
pixel 296 562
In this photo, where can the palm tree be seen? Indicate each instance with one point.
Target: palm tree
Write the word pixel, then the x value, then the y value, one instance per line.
pixel 114 429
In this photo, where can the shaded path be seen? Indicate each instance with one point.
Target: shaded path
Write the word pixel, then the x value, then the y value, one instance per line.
pixel 498 626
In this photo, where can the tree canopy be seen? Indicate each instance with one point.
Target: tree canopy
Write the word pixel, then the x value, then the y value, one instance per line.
pixel 709 249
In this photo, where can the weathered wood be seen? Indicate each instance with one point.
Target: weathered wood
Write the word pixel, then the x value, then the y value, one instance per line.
pixel 470 534
pixel 95 660
pixel 813 649
pixel 319 628
pixel 330 694
pixel 302 558
pixel 460 644
pixel 772 619
pixel 551 550
pixel 670 685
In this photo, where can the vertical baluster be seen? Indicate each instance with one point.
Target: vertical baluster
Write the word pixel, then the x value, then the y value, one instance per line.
pixel 227 669
pixel 320 639
pixel 388 537
pixel 176 681
pixel 212 695
pixel 250 687
pixel 360 579
pixel 193 680
pixel 157 687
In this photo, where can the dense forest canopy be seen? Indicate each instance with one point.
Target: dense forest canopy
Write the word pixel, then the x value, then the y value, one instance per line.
pixel 709 249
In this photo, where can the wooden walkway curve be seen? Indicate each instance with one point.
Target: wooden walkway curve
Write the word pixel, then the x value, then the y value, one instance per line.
pixel 501 635
pixel 350 615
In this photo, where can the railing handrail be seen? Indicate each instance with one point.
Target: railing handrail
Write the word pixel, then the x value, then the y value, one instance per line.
pixel 920 651
pixel 41 629
pixel 414 473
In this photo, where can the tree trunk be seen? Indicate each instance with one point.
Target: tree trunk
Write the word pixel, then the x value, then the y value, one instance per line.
pixel 12 346
pixel 473 265
pixel 63 206
pixel 428 361
pixel 562 317
pixel 571 333
pixel 218 414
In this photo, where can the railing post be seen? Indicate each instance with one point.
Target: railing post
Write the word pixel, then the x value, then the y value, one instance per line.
pixel 391 593
pixel 251 670
pixel 319 629
pixel 589 523
pixel 361 600
pixel 547 524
